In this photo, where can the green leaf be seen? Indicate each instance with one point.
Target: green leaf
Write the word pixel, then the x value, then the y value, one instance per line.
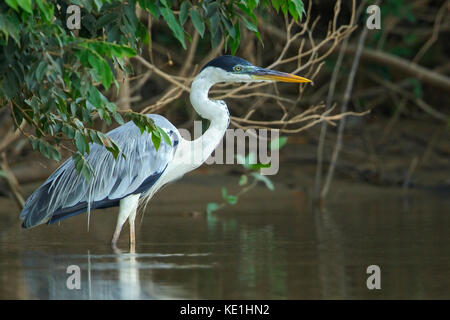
pixel 105 140
pixel 94 137
pixel 247 161
pixel 197 21
pixel 106 19
pixel 248 24
pixel 122 51
pixel 173 24
pixel 118 118
pixel 45 149
pixel 284 7
pixel 214 21
pixel 13 4
pixel 78 161
pixel 101 67
pixel 234 42
pixel 229 27
pixel 293 10
pixel 81 143
pixel 40 70
pixel 54 153
pixel 224 193
pixel 252 4
pixel 267 182
pixel 211 207
pixel 98 4
pixel 46 10
pixel 95 60
pixel 68 131
pixel 258 166
pixel 111 106
pixel 10 25
pixel 243 180
pixel 165 136
pixel 82 166
pixel 300 8
pixel 216 38
pixel 114 149
pixel 231 199
pixel 94 96
pixel 34 142
pixel 247 10
pixel 252 27
pixel 276 5
pixel 151 6
pixel 184 12
pixel 276 144
pixel 250 159
pixel 156 139
pixel 86 171
pixel 78 123
pixel 25 5
pixel 142 122
pixel 143 34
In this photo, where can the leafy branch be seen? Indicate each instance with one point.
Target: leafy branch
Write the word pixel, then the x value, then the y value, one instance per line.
pixel 249 179
pixel 58 80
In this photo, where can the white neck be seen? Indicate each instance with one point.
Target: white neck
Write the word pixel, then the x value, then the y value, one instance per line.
pixel 215 111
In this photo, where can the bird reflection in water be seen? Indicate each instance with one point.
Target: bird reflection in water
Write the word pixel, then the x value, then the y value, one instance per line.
pixel 121 275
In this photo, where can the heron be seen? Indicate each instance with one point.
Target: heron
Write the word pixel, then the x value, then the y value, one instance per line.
pixel 130 181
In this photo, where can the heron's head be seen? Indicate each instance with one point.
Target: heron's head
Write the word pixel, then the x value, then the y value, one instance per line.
pixel 234 69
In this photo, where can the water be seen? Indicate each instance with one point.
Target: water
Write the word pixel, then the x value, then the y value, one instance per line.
pixel 270 246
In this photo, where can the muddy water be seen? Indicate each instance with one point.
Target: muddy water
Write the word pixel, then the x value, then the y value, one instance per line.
pixel 270 246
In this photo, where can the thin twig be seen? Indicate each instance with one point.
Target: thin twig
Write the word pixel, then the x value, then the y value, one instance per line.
pixel 323 129
pixel 347 94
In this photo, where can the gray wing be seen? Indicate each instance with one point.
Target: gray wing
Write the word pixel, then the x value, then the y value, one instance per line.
pixel 66 193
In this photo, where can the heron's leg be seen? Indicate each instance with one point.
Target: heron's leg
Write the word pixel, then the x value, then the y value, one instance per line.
pixel 121 218
pixel 126 206
pixel 131 220
pixel 132 230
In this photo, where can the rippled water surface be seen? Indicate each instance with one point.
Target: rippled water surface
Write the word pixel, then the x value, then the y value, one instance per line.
pixel 270 246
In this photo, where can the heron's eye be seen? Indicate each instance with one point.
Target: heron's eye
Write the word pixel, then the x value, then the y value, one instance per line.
pixel 238 68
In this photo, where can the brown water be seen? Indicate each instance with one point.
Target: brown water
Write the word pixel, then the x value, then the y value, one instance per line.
pixel 270 246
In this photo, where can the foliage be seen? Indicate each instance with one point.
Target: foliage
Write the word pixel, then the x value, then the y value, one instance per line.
pixel 249 179
pixel 223 18
pixel 56 79
pixel 53 79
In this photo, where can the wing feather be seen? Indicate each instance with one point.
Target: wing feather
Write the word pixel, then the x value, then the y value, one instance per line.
pixel 66 193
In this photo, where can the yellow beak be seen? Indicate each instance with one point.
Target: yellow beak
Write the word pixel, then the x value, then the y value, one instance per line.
pixel 272 75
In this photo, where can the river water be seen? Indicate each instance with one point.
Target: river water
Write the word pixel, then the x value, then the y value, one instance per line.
pixel 272 245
